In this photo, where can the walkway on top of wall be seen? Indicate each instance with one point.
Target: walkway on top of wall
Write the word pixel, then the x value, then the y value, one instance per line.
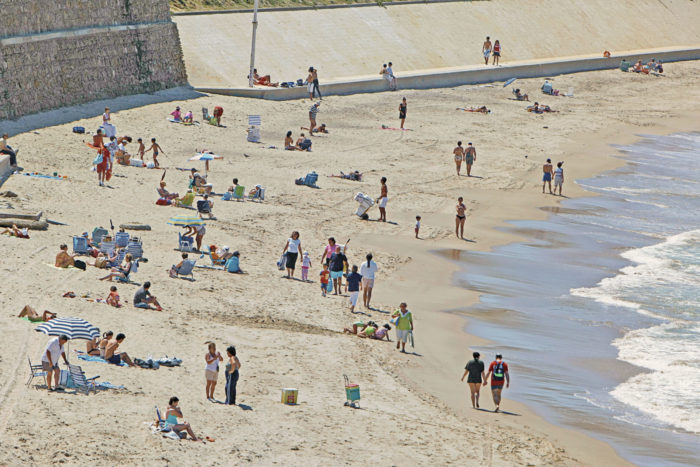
pixel 458 76
pixel 60 34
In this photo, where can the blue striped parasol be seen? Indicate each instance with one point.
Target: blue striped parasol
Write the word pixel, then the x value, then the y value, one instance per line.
pixel 74 328
pixel 185 221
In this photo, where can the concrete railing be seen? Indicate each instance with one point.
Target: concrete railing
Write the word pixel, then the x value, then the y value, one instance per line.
pixel 451 77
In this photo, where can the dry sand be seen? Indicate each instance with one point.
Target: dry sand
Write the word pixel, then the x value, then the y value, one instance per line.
pixel 414 409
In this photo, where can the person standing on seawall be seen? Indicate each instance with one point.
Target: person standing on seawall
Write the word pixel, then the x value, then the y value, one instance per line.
pixel 499 370
pixel 486 49
pixel 496 52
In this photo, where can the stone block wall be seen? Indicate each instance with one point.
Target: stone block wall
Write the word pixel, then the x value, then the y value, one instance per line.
pixel 67 52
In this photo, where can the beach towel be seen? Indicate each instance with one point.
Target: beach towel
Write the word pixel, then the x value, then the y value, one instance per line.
pixel 94 358
pixel 384 127
pixel 108 385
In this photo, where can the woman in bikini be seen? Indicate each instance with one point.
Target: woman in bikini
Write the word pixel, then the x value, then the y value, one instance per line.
pixel 461 217
pixel 289 143
pixel 496 52
pixel 459 156
pixel 403 107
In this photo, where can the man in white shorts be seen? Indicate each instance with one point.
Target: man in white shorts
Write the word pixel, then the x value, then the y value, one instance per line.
pixel 486 49
pixel 383 198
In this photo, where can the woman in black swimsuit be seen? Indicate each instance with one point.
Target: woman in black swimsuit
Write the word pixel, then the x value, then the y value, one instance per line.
pixel 461 217
pixel 402 112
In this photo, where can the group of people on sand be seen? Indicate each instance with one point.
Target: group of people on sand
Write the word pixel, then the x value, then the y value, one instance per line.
pixel 500 377
pixel 211 372
pixel 402 319
pixel 652 66
pixel 466 155
pixel 179 118
pixel 115 149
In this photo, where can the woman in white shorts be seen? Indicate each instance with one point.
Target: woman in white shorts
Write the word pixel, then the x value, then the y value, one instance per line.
pixel 211 371
pixel 367 271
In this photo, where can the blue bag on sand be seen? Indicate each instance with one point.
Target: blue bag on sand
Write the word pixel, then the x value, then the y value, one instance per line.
pixel 300 82
pixel 78 129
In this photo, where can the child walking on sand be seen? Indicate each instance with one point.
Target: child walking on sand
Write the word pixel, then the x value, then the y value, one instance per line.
pixel 325 275
pixel 417 225
pixel 305 265
pixel 156 150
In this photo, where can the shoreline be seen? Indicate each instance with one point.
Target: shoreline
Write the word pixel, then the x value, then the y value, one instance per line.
pixel 443 320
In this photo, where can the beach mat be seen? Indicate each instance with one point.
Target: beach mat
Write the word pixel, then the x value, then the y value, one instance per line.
pixel 383 127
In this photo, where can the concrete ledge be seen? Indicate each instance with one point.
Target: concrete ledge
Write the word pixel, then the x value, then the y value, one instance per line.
pixel 49 35
pixel 451 77
pixel 316 7
pixel 5 170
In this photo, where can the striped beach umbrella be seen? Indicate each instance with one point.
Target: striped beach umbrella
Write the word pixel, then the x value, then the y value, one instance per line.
pixel 74 328
pixel 185 221
pixel 206 157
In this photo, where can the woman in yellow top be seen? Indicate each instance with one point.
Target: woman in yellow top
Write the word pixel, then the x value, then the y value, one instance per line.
pixel 404 326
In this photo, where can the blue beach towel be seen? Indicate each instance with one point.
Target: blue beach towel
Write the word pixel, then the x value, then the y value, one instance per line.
pixel 93 358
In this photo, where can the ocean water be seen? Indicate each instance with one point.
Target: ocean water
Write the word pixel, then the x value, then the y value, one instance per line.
pixel 598 312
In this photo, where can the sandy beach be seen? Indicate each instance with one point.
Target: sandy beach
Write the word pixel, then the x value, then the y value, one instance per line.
pixel 414 410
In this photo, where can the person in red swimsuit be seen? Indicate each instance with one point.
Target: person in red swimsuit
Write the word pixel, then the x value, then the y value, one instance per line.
pixel 496 52
pixel 102 167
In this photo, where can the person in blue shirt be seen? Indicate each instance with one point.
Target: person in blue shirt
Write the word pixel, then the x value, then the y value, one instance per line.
pixel 353 285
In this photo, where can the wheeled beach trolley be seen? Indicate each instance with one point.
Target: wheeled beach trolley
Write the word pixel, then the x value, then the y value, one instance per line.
pixel 352 394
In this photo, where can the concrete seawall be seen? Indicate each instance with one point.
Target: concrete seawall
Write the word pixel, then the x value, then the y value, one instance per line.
pixel 348 42
pixel 66 52
pixel 450 77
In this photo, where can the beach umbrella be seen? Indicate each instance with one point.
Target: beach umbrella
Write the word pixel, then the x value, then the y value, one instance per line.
pixel 509 82
pixel 206 157
pixel 185 221
pixel 74 328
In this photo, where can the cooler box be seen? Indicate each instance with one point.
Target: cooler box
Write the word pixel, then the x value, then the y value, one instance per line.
pixel 289 396
pixel 365 202
pixel 352 392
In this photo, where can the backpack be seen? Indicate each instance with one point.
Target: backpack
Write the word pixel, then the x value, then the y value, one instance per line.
pixel 498 372
pixel 300 82
pixel 78 129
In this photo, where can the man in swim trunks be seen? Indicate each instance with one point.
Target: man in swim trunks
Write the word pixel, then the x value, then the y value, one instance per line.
pixel 475 370
pixel 156 150
pixel 547 175
pixel 486 49
pixel 459 156
pixel 111 354
pixel 499 370
pixel 469 158
pixel 461 217
pixel 383 198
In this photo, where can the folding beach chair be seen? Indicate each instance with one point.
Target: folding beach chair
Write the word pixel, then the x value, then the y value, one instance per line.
pixel 254 124
pixel 107 247
pixel 97 234
pixel 135 248
pixel 185 243
pixel 82 383
pixel 259 194
pixel 80 245
pixel 186 268
pixel 134 269
pixel 36 371
pixel 119 259
pixel 239 193
pixel 121 239
pixel 214 262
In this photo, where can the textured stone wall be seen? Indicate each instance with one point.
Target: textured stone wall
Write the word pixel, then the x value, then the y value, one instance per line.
pixel 33 16
pixel 39 71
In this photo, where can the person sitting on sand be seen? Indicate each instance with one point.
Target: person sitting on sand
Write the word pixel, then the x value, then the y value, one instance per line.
pixel 96 346
pixel 303 143
pixel 15 231
pixel 121 272
pixel 172 414
pixel 31 314
pixel 177 116
pixel 205 206
pixel 165 194
pixel 188 118
pixel 321 129
pixel 520 96
pixel 262 80
pixel 359 326
pixel 113 297
pixel 114 357
pixel 640 68
pixel 538 109
pixel 220 254
pixel 233 187
pixel 122 156
pixel 254 192
pixel 63 259
pixel 378 334
pixel 355 176
pixel 289 143
pixel 143 298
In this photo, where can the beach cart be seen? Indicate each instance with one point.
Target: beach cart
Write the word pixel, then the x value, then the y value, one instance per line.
pixel 365 203
pixel 352 394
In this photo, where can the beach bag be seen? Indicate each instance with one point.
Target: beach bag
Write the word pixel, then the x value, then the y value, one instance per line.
pixel 98 160
pixel 162 202
pixel 282 262
pixel 78 129
pixel 300 82
pixel 80 264
pixel 306 144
